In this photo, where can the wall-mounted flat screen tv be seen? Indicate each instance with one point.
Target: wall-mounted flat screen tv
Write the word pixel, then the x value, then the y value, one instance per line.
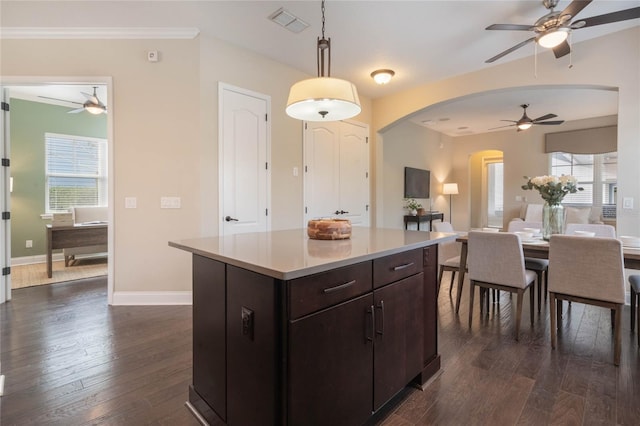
pixel 416 183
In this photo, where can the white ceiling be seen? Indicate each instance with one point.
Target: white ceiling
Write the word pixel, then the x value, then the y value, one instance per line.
pixel 423 41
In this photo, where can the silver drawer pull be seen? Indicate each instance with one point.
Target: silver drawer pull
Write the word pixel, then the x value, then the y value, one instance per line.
pixel 406 265
pixel 339 287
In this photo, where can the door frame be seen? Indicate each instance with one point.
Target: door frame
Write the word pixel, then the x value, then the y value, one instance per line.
pixel 221 88
pixel 107 81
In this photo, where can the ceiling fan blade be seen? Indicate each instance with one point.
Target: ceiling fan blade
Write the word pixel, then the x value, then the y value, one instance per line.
pixel 575 7
pixel 562 49
pixel 510 121
pixel 75 111
pixel 550 123
pixel 502 127
pixel 608 18
pixel 91 98
pixel 510 27
pixel 506 52
pixel 61 100
pixel 544 117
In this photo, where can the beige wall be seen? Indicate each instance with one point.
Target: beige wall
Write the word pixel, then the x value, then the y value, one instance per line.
pixel 612 61
pixel 165 140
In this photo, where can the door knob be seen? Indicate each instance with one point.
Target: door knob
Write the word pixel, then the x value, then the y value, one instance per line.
pixel 229 219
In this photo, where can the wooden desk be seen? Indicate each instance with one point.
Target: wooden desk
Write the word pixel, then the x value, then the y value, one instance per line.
pixel 429 216
pixel 61 237
pixel 538 250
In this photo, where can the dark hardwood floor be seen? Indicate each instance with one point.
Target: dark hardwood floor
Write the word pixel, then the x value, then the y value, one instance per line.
pixel 69 359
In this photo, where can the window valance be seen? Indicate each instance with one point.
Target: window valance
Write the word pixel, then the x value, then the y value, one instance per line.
pixel 598 140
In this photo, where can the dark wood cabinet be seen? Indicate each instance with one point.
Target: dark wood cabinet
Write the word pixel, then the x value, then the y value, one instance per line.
pixel 328 348
pixel 330 362
pixel 399 333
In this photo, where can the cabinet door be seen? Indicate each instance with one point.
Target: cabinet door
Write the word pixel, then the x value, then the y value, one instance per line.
pixel 330 359
pixel 209 333
pixel 399 328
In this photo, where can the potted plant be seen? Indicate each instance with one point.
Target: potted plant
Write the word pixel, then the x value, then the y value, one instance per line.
pixel 412 205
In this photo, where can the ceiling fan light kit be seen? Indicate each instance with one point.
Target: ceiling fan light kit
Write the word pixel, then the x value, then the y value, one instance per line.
pixel 382 76
pixel 525 123
pixel 553 29
pixel 553 37
pixel 323 98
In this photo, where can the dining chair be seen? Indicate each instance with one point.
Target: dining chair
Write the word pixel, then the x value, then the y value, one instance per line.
pixel 600 230
pixel 634 280
pixel 586 270
pixel 448 255
pixel 539 266
pixel 496 262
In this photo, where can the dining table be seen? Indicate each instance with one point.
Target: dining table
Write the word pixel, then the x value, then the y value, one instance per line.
pixel 537 248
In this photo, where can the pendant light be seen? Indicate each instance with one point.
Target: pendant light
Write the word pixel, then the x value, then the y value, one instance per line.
pixel 323 98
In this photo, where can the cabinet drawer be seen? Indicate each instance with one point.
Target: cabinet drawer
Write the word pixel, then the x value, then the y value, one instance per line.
pixel 395 267
pixel 315 292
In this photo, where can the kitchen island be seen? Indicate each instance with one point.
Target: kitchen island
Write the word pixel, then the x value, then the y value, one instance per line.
pixel 293 331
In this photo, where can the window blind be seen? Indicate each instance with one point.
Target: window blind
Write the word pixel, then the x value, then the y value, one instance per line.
pixel 75 171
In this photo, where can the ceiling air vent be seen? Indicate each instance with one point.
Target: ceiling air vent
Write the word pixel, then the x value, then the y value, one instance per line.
pixel 286 19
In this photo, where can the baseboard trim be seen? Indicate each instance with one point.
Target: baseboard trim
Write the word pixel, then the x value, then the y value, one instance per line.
pixel 152 298
pixel 39 258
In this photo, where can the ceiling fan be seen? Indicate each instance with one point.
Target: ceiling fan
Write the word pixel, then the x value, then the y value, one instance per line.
pixel 525 122
pixel 553 28
pixel 92 105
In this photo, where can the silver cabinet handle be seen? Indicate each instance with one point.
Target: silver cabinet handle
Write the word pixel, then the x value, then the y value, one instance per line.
pixel 339 287
pixel 381 307
pixel 370 314
pixel 406 265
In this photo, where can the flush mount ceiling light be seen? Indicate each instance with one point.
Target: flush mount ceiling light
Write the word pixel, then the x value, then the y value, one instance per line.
pixel 382 76
pixel 323 98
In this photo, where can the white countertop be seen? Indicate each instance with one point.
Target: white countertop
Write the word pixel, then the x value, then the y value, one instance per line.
pixel 292 254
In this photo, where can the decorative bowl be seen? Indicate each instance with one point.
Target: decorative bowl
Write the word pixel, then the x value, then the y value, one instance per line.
pixel 329 229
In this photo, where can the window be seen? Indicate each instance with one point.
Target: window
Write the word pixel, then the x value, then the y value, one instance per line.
pixel 596 173
pixel 75 172
pixel 495 203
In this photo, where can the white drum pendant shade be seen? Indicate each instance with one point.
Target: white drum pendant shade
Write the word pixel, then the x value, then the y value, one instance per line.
pixel 323 99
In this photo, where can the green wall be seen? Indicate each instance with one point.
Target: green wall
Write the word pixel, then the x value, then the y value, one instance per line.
pixel 29 121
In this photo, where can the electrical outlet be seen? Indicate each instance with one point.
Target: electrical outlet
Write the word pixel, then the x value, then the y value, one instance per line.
pixel 29 244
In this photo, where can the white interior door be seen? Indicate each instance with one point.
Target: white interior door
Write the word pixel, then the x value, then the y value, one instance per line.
pixel 243 160
pixel 336 175
pixel 5 201
pixel 354 173
pixel 322 170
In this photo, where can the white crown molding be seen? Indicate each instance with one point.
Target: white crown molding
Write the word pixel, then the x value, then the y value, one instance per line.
pixel 98 33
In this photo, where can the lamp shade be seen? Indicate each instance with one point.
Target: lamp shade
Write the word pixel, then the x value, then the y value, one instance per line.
pixel 450 188
pixel 323 99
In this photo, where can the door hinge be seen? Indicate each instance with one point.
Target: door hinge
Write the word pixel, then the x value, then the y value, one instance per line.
pixel 366 139
pixel 266 212
pixel 6 215
pixel 305 169
pixel 266 166
pixel 266 117
pixel 5 106
pixel 366 175
pixel 366 207
pixel 305 126
pixel 6 270
pixel 306 211
pixel 6 162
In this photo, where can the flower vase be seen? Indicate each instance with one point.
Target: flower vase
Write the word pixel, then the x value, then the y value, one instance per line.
pixel 552 220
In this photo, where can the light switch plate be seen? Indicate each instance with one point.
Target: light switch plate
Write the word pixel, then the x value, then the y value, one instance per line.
pixel 627 203
pixel 170 202
pixel 130 202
